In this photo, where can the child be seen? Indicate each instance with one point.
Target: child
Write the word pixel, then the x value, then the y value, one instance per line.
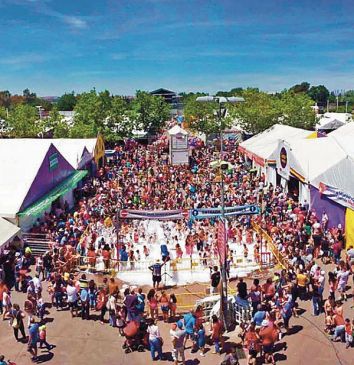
pixel 120 320
pixel 201 340
pixel 348 333
pixel 43 338
pixel 172 305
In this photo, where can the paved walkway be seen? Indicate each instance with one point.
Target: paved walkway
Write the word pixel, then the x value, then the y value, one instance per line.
pixel 89 342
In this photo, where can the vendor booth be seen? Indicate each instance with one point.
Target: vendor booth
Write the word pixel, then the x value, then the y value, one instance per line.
pixel 179 151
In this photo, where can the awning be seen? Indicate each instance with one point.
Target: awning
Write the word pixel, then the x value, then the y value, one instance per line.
pixel 7 232
pixel 42 204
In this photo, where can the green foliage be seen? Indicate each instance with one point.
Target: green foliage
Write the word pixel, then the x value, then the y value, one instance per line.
pixel 319 94
pixel 201 117
pixel 5 99
pixel 261 110
pixel 23 121
pixel 67 102
pixel 91 112
pixel 149 112
pixel 118 123
pixel 300 88
pixel 56 123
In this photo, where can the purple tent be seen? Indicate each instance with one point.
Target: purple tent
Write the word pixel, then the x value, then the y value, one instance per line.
pixel 320 203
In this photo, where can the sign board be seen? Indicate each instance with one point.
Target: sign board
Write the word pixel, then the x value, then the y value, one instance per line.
pixel 180 157
pixel 179 142
pixel 53 162
pixel 336 195
pixel 283 160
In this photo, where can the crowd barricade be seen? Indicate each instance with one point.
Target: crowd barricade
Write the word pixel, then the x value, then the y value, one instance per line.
pixel 280 258
pixel 241 313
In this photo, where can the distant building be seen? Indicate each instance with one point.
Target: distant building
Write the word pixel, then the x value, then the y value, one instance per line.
pixel 169 96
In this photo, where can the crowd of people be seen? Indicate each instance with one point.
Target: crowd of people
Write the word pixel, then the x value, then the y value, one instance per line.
pixel 140 177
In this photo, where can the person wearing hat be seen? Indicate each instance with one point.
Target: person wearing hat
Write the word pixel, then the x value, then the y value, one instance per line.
pixel 177 334
pixel 156 273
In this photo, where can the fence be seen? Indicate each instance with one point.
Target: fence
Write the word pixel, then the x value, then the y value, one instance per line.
pixel 281 259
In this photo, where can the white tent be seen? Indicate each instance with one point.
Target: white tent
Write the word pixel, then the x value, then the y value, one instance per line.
pixel 330 121
pixel 311 157
pixel 20 160
pixel 7 232
pixel 76 151
pixel 345 130
pixel 263 146
pixel 177 130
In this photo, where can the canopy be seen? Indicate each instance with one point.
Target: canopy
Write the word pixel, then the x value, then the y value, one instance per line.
pixel 177 130
pixel 263 147
pixel 311 157
pixel 330 121
pixel 345 130
pixel 7 232
pixel 44 203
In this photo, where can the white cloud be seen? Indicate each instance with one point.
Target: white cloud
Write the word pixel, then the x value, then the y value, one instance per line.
pixel 24 59
pixel 74 21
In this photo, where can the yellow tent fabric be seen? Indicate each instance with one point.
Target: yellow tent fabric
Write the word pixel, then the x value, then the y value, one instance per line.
pixel 349 227
pixel 312 135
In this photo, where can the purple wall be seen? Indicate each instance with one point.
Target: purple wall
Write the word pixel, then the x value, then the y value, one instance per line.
pixel 46 180
pixel 335 212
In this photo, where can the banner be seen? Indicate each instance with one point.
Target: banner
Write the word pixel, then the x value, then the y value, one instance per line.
pixel 221 242
pixel 283 160
pixel 154 214
pixel 336 195
pixel 349 227
pixel 205 213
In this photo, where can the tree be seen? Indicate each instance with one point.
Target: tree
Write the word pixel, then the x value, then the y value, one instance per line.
pixel 5 99
pixel 319 94
pixel 56 124
pixel 67 102
pixel 149 112
pixel 23 121
pixel 119 122
pixel 259 111
pixel 300 88
pixel 296 110
pixel 91 112
pixel 201 117
pixel 30 98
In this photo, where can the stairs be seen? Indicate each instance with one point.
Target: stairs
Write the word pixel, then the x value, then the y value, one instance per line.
pixel 38 242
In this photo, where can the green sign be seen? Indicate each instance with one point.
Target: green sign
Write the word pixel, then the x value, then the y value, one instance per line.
pixel 53 161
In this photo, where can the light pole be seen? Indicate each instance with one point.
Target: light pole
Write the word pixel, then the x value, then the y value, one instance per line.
pixel 222 100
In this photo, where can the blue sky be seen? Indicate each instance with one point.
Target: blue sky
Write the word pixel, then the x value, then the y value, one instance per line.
pixel 54 46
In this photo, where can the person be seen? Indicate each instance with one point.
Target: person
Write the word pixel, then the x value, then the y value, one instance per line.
pixel 72 294
pixel 3 289
pixel 230 357
pixel 177 334
pixel 164 302
pixel 120 314
pixel 216 334
pixel 255 295
pixel 252 344
pixel 2 360
pixel 156 273
pixel 85 303
pixel 286 313
pixel 189 325
pixel 43 338
pixel 172 303
pixel 33 339
pixel 201 339
pixel 155 340
pixel 268 335
pixel 102 299
pixel 339 329
pixel 16 320
pixel 140 306
pixel 242 289
pixel 259 316
pixel 215 280
pixel 348 333
pixel 153 303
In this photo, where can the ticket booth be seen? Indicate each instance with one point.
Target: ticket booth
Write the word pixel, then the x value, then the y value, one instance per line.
pixel 179 152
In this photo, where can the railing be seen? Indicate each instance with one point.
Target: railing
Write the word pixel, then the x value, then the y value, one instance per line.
pixel 281 259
